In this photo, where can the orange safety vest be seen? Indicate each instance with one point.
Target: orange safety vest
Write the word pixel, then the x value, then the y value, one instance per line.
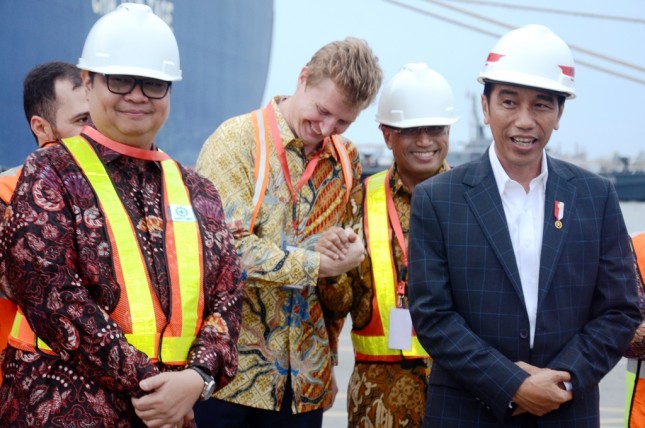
pixel 138 312
pixel 371 342
pixel 635 376
pixel 8 181
pixel 260 119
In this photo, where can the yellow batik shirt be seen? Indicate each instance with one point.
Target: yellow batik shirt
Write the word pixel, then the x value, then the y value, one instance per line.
pixel 283 331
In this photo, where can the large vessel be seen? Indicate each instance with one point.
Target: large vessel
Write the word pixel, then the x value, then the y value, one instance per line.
pixel 629 184
pixel 478 143
pixel 224 45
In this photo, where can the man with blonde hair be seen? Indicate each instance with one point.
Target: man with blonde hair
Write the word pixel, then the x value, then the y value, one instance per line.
pixel 285 176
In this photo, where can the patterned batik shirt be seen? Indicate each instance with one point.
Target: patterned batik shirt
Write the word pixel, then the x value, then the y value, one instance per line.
pixel 283 331
pixel 56 263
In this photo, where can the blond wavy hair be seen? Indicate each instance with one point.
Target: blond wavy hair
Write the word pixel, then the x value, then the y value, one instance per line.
pixel 352 66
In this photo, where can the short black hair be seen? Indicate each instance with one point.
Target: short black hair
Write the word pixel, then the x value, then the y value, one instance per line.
pixel 39 88
pixel 488 88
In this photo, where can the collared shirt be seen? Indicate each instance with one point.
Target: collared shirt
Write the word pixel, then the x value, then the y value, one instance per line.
pixel 525 218
pixel 283 330
pixel 56 260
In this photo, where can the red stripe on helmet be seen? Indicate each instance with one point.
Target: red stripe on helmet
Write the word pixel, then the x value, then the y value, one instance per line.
pixel 493 57
pixel 567 71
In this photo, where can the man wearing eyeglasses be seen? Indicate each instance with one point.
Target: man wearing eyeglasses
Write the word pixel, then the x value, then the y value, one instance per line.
pixel 118 257
pixel 388 384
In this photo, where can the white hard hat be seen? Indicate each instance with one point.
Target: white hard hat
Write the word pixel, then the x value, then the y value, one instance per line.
pixel 416 96
pixel 132 40
pixel 532 56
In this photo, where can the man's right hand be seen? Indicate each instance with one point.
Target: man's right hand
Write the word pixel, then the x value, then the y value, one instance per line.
pixel 334 242
pixel 542 391
pixel 333 267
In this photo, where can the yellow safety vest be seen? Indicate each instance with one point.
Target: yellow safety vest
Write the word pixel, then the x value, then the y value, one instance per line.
pixel 371 342
pixel 138 312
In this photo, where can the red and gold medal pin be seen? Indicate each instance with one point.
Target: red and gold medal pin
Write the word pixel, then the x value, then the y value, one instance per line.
pixel 558 212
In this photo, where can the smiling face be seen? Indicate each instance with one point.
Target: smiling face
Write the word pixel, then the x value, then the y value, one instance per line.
pixel 131 119
pixel 521 120
pixel 315 112
pixel 418 155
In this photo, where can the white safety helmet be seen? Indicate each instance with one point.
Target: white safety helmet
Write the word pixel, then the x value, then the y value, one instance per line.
pixel 132 40
pixel 416 96
pixel 532 56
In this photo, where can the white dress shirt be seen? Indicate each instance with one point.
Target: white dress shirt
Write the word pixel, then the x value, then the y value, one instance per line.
pixel 525 218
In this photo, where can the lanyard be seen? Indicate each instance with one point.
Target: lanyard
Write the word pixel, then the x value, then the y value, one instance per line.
pixel 282 155
pixel 124 149
pixel 394 220
pixel 398 233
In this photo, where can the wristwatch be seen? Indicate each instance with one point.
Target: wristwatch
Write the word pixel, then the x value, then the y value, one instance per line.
pixel 209 383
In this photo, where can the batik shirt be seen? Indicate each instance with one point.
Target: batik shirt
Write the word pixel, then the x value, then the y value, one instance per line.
pixel 56 263
pixel 283 331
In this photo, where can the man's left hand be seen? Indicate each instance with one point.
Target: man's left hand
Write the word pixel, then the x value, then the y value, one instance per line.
pixel 169 400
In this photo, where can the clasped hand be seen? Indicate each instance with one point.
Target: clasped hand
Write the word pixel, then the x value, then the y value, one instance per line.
pixel 542 392
pixel 169 400
pixel 340 250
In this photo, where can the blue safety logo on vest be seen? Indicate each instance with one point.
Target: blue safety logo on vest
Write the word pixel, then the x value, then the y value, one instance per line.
pixel 181 213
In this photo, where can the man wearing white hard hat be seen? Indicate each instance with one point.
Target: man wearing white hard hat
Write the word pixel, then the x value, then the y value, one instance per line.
pixel 522 284
pixel 388 384
pixel 125 275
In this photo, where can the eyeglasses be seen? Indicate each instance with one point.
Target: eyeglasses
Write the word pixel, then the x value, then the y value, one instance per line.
pixel 122 85
pixel 417 130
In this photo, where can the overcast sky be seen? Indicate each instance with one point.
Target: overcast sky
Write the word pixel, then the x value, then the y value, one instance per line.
pixel 606 118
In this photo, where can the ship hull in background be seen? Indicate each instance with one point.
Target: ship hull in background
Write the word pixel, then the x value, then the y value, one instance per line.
pixel 224 47
pixel 630 185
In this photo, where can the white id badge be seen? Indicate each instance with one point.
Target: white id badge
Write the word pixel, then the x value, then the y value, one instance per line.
pixel 400 336
pixel 181 213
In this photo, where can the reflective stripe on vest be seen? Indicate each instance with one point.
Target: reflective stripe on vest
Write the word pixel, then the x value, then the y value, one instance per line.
pixel 259 119
pixel 371 342
pixel 138 307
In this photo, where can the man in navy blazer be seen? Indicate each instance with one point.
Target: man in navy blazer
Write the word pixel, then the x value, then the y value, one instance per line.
pixel 522 284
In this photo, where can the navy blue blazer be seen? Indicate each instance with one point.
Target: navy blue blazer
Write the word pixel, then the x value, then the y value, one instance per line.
pixel 467 303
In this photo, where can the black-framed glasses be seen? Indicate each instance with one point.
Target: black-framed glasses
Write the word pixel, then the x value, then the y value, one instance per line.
pixel 122 85
pixel 415 131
